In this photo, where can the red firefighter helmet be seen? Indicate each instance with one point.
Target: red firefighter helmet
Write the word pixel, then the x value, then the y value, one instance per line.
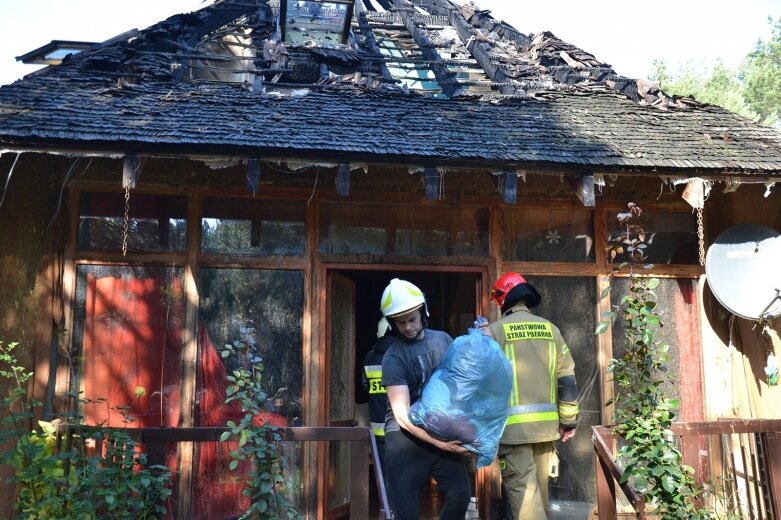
pixel 523 289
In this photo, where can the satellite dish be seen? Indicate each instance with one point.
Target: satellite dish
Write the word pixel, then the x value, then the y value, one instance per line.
pixel 743 269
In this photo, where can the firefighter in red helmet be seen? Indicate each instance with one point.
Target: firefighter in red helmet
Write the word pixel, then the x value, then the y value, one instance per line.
pixel 544 400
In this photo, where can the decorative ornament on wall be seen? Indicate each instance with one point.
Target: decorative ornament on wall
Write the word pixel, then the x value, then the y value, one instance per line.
pixel 553 237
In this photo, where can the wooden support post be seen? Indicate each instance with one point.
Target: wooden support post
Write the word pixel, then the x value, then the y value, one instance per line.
pixel 359 487
pixel 253 175
pixel 343 180
pixel 131 170
pixel 584 189
pixel 433 184
pixel 773 455
pixel 508 186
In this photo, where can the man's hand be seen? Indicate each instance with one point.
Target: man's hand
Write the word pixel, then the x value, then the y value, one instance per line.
pixel 484 329
pixel 454 446
pixel 566 433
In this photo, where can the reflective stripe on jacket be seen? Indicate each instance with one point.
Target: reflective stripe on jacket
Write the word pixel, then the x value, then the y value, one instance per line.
pixel 541 361
pixel 378 398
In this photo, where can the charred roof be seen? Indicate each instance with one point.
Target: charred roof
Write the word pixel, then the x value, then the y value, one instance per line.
pixel 412 80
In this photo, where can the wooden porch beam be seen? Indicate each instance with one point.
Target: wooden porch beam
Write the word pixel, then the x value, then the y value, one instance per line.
pixel 131 170
pixel 508 186
pixel 433 183
pixel 253 175
pixel 584 189
pixel 343 180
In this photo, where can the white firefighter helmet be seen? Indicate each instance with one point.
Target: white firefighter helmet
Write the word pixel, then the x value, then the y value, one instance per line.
pixel 382 327
pixel 401 297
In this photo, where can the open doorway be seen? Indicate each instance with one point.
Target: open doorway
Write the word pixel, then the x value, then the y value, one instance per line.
pixel 454 299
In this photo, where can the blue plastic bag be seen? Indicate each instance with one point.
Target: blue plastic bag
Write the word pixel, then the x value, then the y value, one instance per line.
pixel 467 397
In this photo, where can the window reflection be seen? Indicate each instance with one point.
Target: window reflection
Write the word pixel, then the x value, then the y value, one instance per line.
pixel 670 237
pixel 319 21
pixel 155 222
pixel 549 235
pixel 253 227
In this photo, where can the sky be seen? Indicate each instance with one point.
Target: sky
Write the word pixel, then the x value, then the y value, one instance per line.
pixel 628 35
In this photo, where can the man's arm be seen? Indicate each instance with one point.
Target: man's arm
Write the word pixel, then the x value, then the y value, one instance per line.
pixel 567 390
pixel 399 401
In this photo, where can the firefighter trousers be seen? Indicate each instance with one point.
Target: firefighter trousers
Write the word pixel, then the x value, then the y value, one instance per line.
pixel 525 472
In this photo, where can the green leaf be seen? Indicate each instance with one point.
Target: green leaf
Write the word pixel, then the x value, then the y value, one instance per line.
pixel 602 327
pixel 234 464
pixel 225 436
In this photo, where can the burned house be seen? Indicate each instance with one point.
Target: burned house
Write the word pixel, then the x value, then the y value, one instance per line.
pixel 274 164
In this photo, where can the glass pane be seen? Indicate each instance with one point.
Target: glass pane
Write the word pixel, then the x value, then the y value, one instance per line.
pixel 671 237
pixel 548 235
pixel 319 21
pixel 341 399
pixel 272 302
pixel 155 222
pixel 676 306
pixel 253 227
pixel 404 230
pixel 128 327
pixel 569 303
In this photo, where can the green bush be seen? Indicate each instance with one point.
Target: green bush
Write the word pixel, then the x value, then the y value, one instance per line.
pixel 651 461
pixel 269 485
pixel 74 482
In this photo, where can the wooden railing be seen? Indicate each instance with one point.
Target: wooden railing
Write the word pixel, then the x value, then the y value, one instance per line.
pixel 362 446
pixel 741 457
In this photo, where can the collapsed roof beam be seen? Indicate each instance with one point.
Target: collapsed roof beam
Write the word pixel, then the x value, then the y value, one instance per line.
pixel 474 45
pixel 584 189
pixel 428 49
pixel 219 14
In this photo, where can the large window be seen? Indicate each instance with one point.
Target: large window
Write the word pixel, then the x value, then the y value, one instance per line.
pixel 129 338
pixel 253 226
pixel 670 237
pixel 404 230
pixel 548 235
pixel 128 329
pixel 323 22
pixel 271 303
pixel 153 223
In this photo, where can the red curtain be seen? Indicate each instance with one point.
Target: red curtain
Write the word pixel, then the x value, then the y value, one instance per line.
pixel 216 489
pixel 132 339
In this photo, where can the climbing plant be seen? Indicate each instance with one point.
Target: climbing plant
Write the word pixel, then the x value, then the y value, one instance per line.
pixel 268 485
pixel 72 481
pixel 651 461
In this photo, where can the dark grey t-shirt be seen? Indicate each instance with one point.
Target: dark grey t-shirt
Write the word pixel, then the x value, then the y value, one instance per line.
pixel 411 364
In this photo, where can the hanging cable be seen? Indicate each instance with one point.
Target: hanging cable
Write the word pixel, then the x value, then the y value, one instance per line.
pixel 71 169
pixel 8 179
